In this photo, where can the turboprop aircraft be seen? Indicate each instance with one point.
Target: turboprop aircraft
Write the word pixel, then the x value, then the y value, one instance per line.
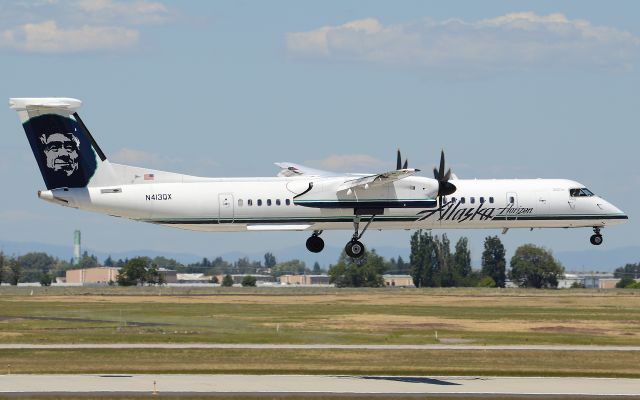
pixel 77 174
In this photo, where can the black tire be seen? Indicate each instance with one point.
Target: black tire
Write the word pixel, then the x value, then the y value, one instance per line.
pixel 354 249
pixel 315 244
pixel 596 240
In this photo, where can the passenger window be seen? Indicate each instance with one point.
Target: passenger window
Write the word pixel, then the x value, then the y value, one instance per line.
pixel 453 199
pixel 249 202
pixel 491 200
pixel 269 202
pixel 472 200
pixel 462 200
pixel 512 200
pixel 239 202
pixel 287 202
pixel 481 200
pixel 278 202
pixel 259 202
pixel 412 187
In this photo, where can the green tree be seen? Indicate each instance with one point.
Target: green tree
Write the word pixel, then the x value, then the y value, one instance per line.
pixel 34 264
pixel 45 280
pixel 629 270
pixel 493 260
pixel 269 260
pixel 88 261
pixel 2 262
pixel 134 272
pixel 108 262
pixel 577 285
pixel 625 282
pixel 15 271
pixel 214 279
pixel 443 251
pixel 316 269
pixel 461 262
pixel 486 281
pixel 425 260
pixel 153 276
pixel 365 271
pixel 292 267
pixel 402 267
pixel 535 267
pixel 227 281
pixel 249 280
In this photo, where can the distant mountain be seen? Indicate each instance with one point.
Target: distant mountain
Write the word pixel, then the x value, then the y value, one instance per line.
pixel 65 252
pixel 587 260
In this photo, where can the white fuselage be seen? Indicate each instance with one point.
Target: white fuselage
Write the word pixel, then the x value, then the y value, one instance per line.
pixel 254 204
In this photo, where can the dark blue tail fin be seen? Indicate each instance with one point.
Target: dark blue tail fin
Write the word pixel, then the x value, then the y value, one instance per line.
pixel 63 147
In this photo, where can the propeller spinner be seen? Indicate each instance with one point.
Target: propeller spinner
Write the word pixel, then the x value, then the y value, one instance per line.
pixel 445 187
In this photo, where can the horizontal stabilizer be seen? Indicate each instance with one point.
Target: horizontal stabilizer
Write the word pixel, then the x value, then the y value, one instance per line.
pixel 62 103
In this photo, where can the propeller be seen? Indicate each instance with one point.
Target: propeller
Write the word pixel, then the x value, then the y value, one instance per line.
pixel 445 187
pixel 399 164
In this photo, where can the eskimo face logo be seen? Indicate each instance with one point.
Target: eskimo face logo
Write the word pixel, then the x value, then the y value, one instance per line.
pixel 61 151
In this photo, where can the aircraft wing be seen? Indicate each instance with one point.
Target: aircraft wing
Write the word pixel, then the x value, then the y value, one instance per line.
pixel 378 179
pixel 291 169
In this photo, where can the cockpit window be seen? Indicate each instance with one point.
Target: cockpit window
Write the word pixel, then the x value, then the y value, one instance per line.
pixel 580 192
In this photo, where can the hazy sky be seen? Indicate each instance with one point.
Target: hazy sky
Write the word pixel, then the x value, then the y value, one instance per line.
pixel 524 89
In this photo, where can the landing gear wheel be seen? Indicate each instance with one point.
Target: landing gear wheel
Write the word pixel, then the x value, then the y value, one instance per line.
pixel 315 244
pixel 354 249
pixel 596 240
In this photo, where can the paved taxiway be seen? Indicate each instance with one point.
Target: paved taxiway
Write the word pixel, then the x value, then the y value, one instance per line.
pixel 321 384
pixel 75 346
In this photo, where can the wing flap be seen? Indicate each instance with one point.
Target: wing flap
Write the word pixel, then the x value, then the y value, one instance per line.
pixel 378 179
pixel 290 169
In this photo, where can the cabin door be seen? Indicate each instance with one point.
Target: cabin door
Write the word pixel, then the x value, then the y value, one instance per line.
pixel 225 208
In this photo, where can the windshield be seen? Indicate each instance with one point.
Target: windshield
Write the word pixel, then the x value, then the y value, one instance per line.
pixel 580 192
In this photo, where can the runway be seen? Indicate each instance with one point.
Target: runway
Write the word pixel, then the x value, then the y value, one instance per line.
pixel 177 346
pixel 311 384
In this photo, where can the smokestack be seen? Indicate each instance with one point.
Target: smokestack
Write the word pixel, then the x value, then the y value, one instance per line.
pixel 76 247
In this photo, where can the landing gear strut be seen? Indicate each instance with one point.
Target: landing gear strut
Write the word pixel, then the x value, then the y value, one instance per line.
pixel 596 238
pixel 315 244
pixel 355 248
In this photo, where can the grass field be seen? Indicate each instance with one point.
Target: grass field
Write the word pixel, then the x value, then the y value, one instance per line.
pixel 326 316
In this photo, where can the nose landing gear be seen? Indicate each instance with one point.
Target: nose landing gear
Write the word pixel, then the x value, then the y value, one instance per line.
pixel 315 244
pixel 596 238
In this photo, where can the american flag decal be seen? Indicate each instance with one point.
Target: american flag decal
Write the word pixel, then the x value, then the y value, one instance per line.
pixel 148 177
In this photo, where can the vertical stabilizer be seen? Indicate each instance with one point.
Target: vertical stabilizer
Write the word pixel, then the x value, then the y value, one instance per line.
pixel 65 151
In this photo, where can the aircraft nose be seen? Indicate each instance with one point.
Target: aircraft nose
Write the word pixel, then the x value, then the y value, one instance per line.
pixel 609 208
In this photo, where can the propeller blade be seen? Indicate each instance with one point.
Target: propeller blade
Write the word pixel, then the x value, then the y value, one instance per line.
pixel 441 175
pixel 406 164
pixel 399 160
pixel 435 173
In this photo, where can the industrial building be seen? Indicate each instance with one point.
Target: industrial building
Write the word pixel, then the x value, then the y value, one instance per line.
pixel 398 280
pixel 104 275
pixel 304 280
pixel 92 276
pixel 237 278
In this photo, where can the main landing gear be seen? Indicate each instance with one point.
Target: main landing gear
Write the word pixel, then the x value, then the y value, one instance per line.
pixel 315 244
pixel 596 238
pixel 355 248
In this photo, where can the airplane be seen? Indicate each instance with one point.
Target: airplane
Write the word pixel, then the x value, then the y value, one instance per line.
pixel 77 174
